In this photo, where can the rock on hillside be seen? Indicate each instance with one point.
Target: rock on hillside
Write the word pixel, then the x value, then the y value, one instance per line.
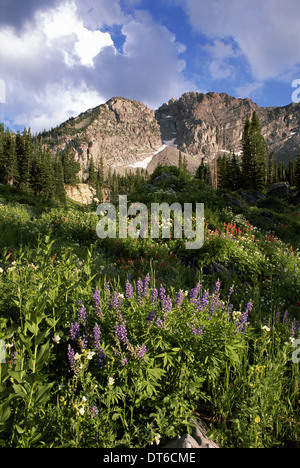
pixel 120 131
pixel 206 125
pixel 128 135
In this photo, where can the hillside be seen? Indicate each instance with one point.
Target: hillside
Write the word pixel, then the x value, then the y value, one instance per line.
pixel 127 134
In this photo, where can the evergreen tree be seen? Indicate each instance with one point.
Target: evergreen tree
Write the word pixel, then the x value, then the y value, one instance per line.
pixel 254 155
pixel 202 172
pixel 60 193
pixel 24 156
pixel 281 171
pixel 9 173
pixel 271 169
pixel 92 173
pixel 100 175
pixel 222 172
pixel 70 166
pixel 247 162
pixel 233 173
pixel 180 161
pixel 297 173
pixel 258 150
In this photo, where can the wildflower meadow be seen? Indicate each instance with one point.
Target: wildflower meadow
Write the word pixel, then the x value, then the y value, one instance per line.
pixel 120 343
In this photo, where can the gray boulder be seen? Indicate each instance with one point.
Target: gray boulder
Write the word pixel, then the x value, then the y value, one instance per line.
pixel 278 190
pixel 197 440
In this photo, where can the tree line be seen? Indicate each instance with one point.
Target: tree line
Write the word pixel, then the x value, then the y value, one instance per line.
pixel 255 170
pixel 27 163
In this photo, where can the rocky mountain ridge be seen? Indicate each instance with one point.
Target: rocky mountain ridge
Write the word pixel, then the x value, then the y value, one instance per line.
pixel 128 135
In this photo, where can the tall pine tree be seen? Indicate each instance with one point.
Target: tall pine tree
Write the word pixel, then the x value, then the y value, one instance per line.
pixel 254 162
pixel 9 173
pixel 297 174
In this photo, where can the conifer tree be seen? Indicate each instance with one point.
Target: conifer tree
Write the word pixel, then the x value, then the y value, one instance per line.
pixel 9 173
pixel 60 193
pixel 100 175
pixel 70 166
pixel 258 150
pixel 254 155
pixel 247 163
pixel 92 173
pixel 271 169
pixel 24 156
pixel 297 173
pixel 202 172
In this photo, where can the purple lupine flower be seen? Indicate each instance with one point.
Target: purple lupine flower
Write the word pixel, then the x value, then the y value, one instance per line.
pixel 129 290
pixel 162 293
pixel 74 330
pixel 160 324
pixel 167 306
pixel 204 301
pixel 197 331
pixel 83 341
pixel 231 290
pixel 179 299
pixel 101 357
pixel 94 411
pixel 151 316
pixel 124 362
pixel 96 336
pixel 217 287
pixel 81 316
pixel 71 358
pixel 286 318
pixel 154 296
pixel 107 287
pixel 242 325
pixel 146 285
pixel 293 328
pixel 229 310
pixel 14 357
pixel 116 301
pixel 96 297
pixel 140 289
pixel 141 351
pixel 121 332
pixel 277 317
pixel 194 293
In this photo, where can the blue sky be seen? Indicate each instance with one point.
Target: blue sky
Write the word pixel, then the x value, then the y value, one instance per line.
pixel 60 57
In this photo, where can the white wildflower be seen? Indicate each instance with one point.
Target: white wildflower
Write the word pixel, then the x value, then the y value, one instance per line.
pixel 56 339
pixel 111 381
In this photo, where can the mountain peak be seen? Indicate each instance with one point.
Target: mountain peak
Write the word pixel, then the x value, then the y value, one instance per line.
pixel 125 133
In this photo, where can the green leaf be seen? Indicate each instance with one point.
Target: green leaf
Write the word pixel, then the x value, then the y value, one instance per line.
pixel 4 413
pixel 43 393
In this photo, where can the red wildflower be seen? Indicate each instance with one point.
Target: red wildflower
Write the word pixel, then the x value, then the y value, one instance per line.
pixel 298 304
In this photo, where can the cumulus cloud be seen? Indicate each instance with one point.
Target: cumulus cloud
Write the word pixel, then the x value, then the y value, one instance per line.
pixel 149 67
pixel 62 59
pixel 266 32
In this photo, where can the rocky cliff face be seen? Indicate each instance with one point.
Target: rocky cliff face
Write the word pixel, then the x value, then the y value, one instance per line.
pixel 209 124
pixel 121 131
pixel 128 135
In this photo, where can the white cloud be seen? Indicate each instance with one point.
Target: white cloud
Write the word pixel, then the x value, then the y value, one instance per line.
pixel 2 92
pixel 266 32
pixel 150 67
pixel 250 90
pixel 63 22
pixel 60 62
